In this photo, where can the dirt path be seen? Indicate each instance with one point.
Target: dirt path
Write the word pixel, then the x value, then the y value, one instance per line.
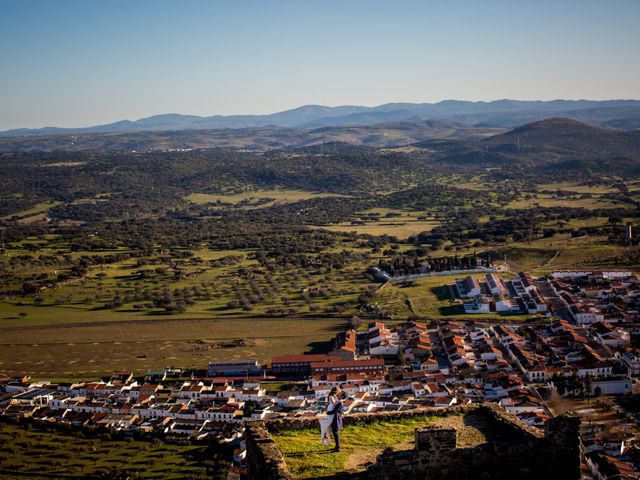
pixel 546 263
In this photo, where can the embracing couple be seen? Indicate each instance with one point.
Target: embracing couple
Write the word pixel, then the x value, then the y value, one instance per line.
pixel 335 410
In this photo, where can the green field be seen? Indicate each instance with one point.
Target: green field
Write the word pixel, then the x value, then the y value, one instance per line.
pixel 599 189
pixel 547 200
pixel 31 453
pixel 429 298
pixel 254 198
pixel 218 283
pixel 562 252
pixel 560 194
pixel 39 208
pixel 401 224
pixel 94 349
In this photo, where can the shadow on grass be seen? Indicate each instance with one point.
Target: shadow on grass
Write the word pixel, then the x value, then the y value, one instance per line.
pixel 491 430
pixel 310 452
pixel 451 310
pixel 337 328
pixel 443 292
pixel 320 347
pixel 219 309
pixel 155 313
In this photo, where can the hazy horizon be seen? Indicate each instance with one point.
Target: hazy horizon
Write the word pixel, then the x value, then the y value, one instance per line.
pixel 331 106
pixel 76 64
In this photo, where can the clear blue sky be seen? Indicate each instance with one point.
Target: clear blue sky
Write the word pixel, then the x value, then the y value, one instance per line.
pixel 77 63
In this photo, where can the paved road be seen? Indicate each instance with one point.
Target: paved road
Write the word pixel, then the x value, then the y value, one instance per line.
pixel 557 305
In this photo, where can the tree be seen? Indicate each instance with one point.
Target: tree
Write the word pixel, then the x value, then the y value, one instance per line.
pixel 588 384
pixel 400 358
pixel 560 383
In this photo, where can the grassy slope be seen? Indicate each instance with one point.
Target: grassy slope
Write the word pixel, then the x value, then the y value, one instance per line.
pixel 39 208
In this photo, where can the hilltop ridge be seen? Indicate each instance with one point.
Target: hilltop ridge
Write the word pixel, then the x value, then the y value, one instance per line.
pixel 494 114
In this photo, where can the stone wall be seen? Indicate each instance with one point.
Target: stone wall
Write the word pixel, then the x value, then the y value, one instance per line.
pixel 264 460
pixel 436 456
pixel 520 452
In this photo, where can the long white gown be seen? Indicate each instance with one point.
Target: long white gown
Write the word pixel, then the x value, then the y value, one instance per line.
pixel 325 429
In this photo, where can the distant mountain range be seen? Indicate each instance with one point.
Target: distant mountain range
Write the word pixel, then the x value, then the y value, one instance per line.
pixel 618 114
